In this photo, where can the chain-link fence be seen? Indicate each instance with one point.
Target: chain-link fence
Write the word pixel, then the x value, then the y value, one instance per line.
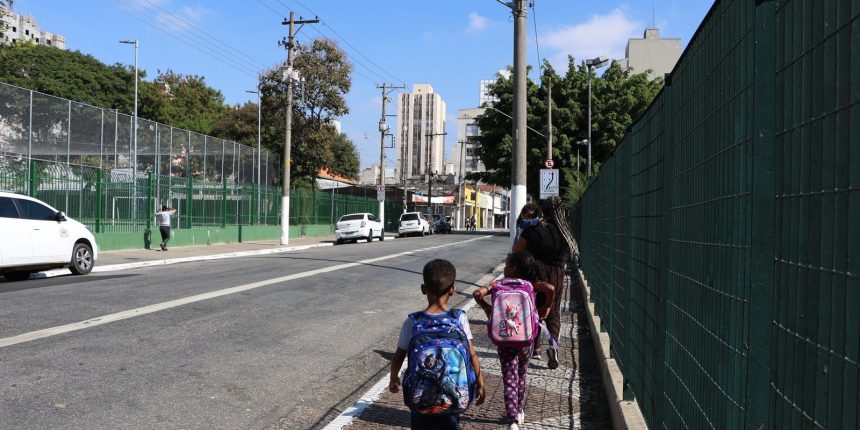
pixel 718 239
pixel 84 161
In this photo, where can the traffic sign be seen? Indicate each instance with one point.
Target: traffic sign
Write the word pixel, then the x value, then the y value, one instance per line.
pixel 380 193
pixel 549 179
pixel 549 163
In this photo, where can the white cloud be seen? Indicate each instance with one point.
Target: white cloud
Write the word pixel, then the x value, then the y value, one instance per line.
pixel 476 23
pixel 600 35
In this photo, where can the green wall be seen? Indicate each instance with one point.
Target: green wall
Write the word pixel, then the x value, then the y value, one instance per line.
pixel 205 236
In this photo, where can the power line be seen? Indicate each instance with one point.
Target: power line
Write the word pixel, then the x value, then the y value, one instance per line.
pixel 239 65
pixel 209 36
pixel 345 41
pixel 349 44
pixel 537 44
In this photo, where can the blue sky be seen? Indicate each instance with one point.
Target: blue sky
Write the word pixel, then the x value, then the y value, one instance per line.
pixel 451 44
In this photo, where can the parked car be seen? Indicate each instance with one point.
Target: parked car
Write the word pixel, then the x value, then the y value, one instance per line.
pixel 431 224
pixel 442 224
pixel 413 223
pixel 353 227
pixel 34 236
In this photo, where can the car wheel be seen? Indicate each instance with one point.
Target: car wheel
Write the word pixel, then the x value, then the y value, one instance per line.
pixel 16 276
pixel 370 236
pixel 338 242
pixel 381 235
pixel 82 259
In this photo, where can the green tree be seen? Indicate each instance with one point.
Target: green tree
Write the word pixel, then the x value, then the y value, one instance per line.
pixel 318 99
pixel 183 101
pixel 619 97
pixel 238 124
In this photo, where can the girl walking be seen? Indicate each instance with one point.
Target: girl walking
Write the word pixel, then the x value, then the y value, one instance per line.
pixel 519 266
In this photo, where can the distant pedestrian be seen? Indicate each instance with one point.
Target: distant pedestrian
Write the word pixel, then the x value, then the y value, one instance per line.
pixel 530 216
pixel 162 217
pixel 472 225
pixel 437 340
pixel 515 360
pixel 551 243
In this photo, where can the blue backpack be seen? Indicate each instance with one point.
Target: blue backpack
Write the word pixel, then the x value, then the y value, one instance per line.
pixel 439 379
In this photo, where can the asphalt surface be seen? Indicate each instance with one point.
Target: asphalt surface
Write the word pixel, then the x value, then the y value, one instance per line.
pixel 285 352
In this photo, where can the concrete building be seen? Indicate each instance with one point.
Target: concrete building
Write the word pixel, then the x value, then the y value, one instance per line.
pixel 370 176
pixel 485 96
pixel 22 28
pixel 419 114
pixel 467 142
pixel 652 53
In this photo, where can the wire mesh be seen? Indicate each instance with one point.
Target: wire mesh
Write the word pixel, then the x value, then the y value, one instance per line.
pixel 674 225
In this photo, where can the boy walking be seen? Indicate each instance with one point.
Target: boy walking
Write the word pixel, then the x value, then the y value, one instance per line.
pixel 439 394
pixel 163 219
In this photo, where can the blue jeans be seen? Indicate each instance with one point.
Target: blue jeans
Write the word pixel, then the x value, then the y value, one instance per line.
pixel 435 422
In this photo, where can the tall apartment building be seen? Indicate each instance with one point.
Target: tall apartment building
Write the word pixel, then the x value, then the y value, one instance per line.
pixel 485 96
pixel 419 114
pixel 651 53
pixel 21 28
pixel 467 142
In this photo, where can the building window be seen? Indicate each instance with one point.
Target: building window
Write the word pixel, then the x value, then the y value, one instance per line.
pixel 48 42
pixel 14 29
pixel 26 32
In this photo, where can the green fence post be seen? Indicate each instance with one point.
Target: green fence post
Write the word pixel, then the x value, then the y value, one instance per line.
pixel 99 203
pixel 189 205
pixel 761 294
pixel 31 190
pixel 149 208
pixel 224 203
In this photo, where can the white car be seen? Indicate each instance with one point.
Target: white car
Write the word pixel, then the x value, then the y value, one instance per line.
pixel 37 237
pixel 413 223
pixel 353 227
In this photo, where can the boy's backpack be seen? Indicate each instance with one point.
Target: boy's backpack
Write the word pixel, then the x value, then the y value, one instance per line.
pixel 514 320
pixel 439 378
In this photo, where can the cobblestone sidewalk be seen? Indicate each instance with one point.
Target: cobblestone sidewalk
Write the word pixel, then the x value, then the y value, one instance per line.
pixel 570 397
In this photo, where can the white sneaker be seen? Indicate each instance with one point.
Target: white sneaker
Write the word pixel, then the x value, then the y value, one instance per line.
pixel 514 426
pixel 521 417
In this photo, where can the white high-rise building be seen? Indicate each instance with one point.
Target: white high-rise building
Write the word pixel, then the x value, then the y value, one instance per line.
pixel 420 124
pixel 485 96
pixel 22 28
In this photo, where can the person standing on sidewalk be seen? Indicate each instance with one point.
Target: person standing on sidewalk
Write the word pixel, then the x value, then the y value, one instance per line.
pixel 515 361
pixel 551 243
pixel 163 217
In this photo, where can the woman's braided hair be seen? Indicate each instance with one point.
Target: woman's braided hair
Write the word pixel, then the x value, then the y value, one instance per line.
pixel 555 213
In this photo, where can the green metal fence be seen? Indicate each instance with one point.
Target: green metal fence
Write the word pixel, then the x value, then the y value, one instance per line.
pixel 108 203
pixel 722 238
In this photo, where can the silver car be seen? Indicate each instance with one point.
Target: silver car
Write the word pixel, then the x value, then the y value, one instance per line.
pixel 353 227
pixel 413 223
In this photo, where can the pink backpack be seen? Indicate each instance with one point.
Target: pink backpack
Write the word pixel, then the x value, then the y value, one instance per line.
pixel 514 321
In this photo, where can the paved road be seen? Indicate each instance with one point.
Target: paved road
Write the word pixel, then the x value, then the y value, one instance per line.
pixel 299 336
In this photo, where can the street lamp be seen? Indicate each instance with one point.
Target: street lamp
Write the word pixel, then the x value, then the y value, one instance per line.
pixel 136 44
pixel 579 143
pixel 259 147
pixel 594 63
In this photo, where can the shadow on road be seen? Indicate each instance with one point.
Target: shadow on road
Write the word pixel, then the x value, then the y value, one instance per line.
pixel 8 287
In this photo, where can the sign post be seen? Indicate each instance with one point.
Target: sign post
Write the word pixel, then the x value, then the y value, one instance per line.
pixel 380 193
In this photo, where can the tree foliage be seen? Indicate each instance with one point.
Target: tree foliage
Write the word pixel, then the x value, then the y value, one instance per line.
pixel 318 99
pixel 183 101
pixel 619 97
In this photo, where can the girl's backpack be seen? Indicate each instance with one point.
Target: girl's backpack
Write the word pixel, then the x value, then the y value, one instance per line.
pixel 439 378
pixel 514 321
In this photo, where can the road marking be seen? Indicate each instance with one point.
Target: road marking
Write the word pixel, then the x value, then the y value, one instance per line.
pixel 372 395
pixel 131 313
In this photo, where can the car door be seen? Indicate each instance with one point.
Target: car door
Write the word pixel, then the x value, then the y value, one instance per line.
pixel 49 237
pixel 375 225
pixel 16 246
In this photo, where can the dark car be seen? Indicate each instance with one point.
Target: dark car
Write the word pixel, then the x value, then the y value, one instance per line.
pixel 442 224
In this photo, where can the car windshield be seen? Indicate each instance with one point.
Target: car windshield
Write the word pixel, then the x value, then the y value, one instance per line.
pixel 408 217
pixel 353 217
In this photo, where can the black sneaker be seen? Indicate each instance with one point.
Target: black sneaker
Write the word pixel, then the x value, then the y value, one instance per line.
pixel 163 248
pixel 552 358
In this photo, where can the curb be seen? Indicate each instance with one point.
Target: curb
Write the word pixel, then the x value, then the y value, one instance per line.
pixel 169 261
pixel 625 413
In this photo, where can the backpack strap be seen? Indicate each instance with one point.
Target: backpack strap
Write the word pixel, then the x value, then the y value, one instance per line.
pixel 547 334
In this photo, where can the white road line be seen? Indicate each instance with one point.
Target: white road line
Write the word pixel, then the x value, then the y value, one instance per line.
pixel 105 319
pixel 372 395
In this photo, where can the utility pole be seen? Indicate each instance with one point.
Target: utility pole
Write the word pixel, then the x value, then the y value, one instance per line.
pixel 549 118
pixel 460 203
pixel 518 159
pixel 290 75
pixel 430 169
pixel 383 130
